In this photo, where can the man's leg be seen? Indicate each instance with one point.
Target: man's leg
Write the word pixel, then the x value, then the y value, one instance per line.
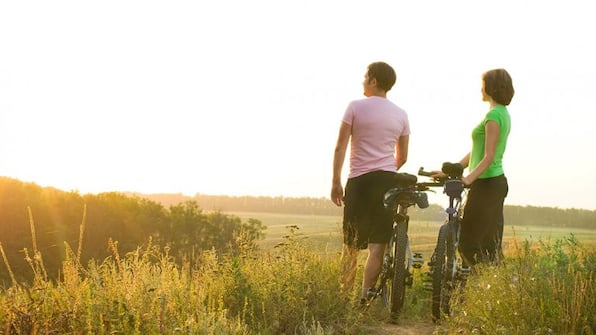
pixel 373 266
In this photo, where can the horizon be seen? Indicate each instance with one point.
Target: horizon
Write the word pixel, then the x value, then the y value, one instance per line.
pixel 196 194
pixel 192 97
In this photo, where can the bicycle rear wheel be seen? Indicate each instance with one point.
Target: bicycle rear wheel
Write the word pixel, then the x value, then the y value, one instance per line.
pixel 386 279
pixel 439 273
pixel 400 269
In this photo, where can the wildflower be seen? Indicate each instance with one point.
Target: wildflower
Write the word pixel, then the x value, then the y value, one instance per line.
pixel 514 279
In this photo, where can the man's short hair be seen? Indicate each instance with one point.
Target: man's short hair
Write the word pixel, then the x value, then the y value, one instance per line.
pixel 384 74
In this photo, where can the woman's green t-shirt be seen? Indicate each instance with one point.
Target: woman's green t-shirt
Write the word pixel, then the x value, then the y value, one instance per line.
pixel 500 115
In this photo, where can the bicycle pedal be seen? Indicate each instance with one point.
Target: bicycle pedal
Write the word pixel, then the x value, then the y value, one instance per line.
pixel 417 260
pixel 463 272
pixel 409 280
pixel 371 293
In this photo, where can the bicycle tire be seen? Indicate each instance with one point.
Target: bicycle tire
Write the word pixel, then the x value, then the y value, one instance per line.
pixel 387 278
pixel 439 273
pixel 450 274
pixel 400 270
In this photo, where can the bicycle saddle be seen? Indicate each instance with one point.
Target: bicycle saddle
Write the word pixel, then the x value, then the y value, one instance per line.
pixel 403 179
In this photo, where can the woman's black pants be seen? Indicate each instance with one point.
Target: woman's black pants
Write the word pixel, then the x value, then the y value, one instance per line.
pixel 482 226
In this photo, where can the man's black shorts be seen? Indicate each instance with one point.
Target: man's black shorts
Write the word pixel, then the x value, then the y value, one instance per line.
pixel 365 220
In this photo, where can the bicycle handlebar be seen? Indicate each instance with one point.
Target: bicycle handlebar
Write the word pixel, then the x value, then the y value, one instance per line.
pixel 437 181
pixel 421 172
pixel 452 171
pixel 425 185
pixel 453 186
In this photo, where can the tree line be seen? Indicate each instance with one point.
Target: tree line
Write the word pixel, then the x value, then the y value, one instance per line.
pixel 43 222
pixel 279 204
pixel 44 219
pixel 514 215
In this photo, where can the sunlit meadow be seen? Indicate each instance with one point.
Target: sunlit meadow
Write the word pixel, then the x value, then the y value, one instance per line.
pixel 291 287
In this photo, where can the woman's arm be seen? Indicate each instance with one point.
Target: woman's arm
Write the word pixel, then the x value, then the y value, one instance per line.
pixel 465 161
pixel 490 147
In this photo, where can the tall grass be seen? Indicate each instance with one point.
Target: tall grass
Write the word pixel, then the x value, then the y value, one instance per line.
pixel 293 288
pixel 288 290
pixel 542 288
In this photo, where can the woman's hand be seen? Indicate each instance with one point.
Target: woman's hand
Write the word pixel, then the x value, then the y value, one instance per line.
pixel 437 175
pixel 467 180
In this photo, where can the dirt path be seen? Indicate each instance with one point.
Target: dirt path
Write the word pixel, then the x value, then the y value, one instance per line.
pixel 405 328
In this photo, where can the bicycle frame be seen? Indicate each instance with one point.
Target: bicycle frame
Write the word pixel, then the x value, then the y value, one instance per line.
pixel 400 221
pixel 455 214
pixel 445 268
pixel 398 259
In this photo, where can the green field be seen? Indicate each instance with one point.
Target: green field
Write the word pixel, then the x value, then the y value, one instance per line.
pixel 321 229
pixel 325 231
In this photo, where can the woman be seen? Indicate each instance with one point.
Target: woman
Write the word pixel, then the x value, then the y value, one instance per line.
pixel 482 226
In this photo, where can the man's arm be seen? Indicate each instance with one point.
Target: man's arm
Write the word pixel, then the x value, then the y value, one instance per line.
pixel 401 150
pixel 337 192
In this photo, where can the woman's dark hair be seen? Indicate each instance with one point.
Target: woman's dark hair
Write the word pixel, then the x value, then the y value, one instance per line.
pixel 498 84
pixel 384 74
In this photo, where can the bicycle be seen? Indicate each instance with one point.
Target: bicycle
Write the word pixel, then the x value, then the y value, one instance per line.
pixel 446 270
pixel 398 260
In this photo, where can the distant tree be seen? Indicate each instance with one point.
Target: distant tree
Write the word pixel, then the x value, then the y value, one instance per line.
pixel 190 229
pixel 52 214
pixel 58 217
pixel 186 222
pixel 514 215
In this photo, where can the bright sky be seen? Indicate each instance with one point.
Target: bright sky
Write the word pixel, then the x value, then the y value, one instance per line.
pixel 245 97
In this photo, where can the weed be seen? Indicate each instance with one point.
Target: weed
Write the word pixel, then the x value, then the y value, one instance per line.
pixel 546 288
pixel 540 288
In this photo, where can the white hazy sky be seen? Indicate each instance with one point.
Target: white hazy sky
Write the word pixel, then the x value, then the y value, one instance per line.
pixel 245 97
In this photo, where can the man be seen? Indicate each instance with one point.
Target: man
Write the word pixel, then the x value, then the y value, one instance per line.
pixel 378 131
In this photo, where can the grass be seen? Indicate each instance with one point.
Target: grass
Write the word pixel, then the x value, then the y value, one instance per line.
pixel 325 231
pixel 286 290
pixel 291 287
pixel 542 288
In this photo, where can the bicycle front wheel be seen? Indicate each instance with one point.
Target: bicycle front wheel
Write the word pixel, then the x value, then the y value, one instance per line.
pixel 400 269
pixel 441 294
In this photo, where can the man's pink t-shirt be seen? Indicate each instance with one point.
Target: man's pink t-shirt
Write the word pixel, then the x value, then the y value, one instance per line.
pixel 377 124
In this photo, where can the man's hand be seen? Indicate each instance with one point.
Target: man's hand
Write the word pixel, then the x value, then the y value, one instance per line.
pixel 337 193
